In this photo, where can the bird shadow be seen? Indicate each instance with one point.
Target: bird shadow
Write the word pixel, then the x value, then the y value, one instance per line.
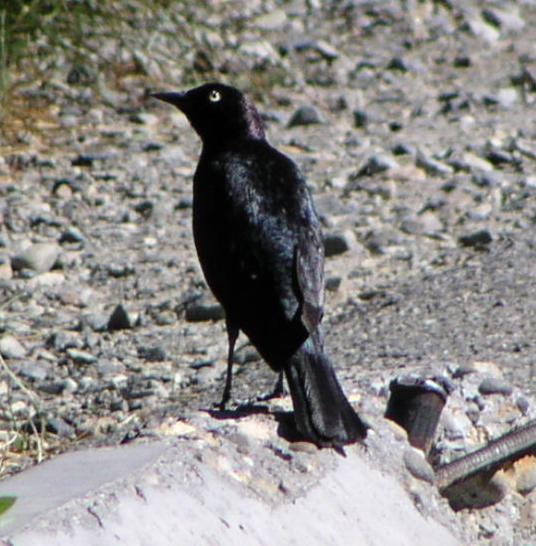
pixel 244 410
pixel 286 427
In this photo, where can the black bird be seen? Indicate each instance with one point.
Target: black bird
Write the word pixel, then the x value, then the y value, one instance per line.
pixel 259 242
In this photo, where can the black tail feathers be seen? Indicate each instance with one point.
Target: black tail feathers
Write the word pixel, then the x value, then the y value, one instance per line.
pixel 321 410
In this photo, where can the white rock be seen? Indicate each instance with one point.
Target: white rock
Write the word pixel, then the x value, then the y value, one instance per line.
pixel 39 257
pixel 11 347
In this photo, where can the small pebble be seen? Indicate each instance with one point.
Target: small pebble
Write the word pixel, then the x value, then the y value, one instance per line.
pixel 61 341
pixel 63 189
pixel 303 447
pixel 432 166
pixel 305 115
pixel 98 322
pixel 523 405
pixel 152 354
pixel 87 160
pixel 60 428
pixel 143 118
pixel 507 97
pixel 525 470
pixel 472 162
pixel 361 118
pixel 11 348
pixel 499 157
pixel 70 386
pixel 505 19
pixel 81 357
pixel 198 312
pixel 495 385
pixel 184 203
pixel 478 239
pixel 326 50
pixel 119 381
pixel 152 146
pixel 481 29
pixel 207 375
pixel 71 235
pixel 378 163
pixel 165 318
pixel 417 465
pixel 119 320
pixel 272 20
pixel 32 370
pixel 39 257
pixel 332 284
pixel 486 179
pixel 49 278
pixel 55 387
pixel 338 243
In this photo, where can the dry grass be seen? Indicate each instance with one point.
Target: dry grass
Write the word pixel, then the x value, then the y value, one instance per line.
pixel 78 40
pixel 20 441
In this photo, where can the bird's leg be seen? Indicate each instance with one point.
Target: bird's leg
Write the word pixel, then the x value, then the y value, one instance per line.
pixel 277 392
pixel 279 389
pixel 232 335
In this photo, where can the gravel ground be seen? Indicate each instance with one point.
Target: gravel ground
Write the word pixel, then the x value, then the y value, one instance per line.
pixel 410 120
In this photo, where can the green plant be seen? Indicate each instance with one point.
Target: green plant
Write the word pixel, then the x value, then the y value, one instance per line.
pixel 3 56
pixel 6 503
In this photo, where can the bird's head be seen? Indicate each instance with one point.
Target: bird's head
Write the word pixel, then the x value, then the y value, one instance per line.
pixel 217 112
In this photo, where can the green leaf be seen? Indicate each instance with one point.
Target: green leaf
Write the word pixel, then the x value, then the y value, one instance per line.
pixel 6 503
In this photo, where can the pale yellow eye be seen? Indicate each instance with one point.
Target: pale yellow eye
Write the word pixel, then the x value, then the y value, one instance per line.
pixel 214 96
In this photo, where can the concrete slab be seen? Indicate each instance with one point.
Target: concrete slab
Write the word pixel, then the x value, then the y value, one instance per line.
pixel 82 499
pixel 45 487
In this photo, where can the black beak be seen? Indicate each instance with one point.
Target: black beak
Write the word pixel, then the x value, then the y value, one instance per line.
pixel 177 99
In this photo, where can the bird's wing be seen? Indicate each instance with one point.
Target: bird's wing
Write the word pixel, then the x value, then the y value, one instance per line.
pixel 310 274
pixel 302 226
pixel 277 232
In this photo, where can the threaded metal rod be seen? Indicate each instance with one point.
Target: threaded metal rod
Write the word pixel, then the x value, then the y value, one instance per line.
pixel 509 447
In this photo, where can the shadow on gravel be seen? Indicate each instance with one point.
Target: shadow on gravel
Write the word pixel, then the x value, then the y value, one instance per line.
pixel 286 427
pixel 244 410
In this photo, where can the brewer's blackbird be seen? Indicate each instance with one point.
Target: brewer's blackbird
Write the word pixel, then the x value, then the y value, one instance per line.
pixel 260 246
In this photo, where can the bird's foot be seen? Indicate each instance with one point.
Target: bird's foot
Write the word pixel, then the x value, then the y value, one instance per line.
pixel 277 392
pixel 225 399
